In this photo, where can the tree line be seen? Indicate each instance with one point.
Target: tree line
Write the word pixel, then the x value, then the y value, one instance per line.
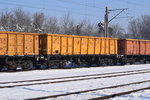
pixel 19 20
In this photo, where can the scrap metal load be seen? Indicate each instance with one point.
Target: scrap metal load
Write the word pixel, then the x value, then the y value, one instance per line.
pixel 28 50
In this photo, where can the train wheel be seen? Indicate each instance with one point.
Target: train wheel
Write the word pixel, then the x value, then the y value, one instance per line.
pixel 27 65
pixel 102 62
pixel 12 65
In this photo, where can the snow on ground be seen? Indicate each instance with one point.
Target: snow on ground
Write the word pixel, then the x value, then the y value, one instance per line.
pixel 25 92
pixel 40 74
pixel 141 95
pixel 85 96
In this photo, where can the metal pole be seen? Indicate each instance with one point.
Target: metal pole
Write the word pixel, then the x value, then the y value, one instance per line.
pixel 106 22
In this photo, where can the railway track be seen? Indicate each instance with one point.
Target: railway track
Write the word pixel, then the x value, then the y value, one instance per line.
pixel 36 80
pixel 70 79
pixel 119 94
pixel 96 89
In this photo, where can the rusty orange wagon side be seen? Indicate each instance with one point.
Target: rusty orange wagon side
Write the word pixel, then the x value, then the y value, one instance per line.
pixel 134 50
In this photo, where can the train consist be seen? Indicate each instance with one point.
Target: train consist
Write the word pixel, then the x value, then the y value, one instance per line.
pixel 25 50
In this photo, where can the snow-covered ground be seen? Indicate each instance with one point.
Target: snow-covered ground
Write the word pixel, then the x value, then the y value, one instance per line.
pixel 33 91
pixel 141 95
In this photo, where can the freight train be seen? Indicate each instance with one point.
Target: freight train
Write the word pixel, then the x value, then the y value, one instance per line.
pixel 25 50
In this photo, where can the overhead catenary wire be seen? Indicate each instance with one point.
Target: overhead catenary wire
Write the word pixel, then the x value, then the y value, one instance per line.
pixel 122 10
pixel 135 3
pixel 133 11
pixel 48 9
pixel 72 2
pixel 78 3
pixel 47 5
pixel 89 11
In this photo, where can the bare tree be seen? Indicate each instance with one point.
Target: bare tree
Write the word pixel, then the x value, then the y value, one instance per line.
pixel 115 30
pixel 6 21
pixel 89 30
pixel 22 20
pixel 16 20
pixel 19 20
pixel 140 27
pixel 38 21
pixel 85 27
pixel 133 29
pixel 51 25
pixel 79 28
pixel 67 25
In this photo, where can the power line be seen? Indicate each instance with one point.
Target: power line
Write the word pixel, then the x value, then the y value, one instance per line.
pixel 52 9
pixel 124 17
pixel 106 18
pixel 77 3
pixel 121 10
pixel 135 3
pixel 134 11
pixel 51 5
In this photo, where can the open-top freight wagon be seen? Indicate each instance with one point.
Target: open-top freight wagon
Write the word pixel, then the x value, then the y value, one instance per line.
pixel 28 50
pixel 18 49
pixel 133 50
pixel 58 49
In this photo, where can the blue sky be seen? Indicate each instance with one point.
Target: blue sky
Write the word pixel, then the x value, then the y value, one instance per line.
pixel 92 10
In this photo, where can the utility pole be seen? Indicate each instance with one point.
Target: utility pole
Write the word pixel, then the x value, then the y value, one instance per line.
pixel 106 22
pixel 106 19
